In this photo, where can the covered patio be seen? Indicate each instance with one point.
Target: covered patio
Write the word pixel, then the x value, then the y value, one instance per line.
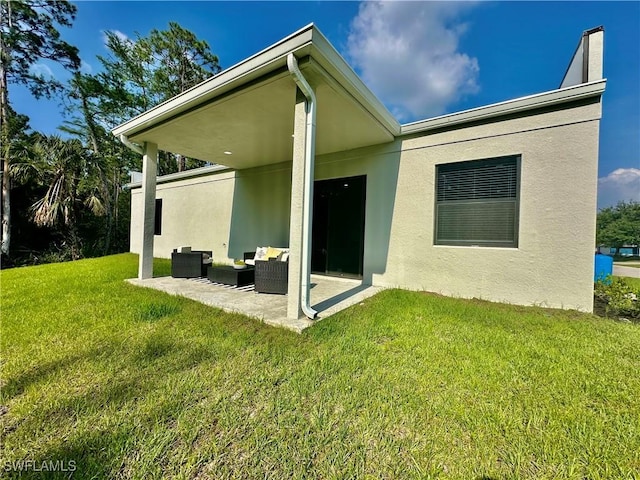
pixel 329 295
pixel 261 112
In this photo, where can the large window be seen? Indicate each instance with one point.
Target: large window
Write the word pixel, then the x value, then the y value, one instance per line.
pixel 477 202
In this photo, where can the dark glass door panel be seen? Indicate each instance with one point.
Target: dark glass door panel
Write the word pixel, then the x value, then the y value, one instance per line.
pixel 319 230
pixel 338 226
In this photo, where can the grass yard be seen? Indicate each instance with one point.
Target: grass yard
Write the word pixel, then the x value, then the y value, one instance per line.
pixel 132 383
pixel 633 282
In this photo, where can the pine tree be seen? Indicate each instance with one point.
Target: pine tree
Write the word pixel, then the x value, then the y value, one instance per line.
pixel 28 34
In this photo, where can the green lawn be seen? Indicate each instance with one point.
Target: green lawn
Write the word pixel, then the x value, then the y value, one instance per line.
pixel 132 383
pixel 634 282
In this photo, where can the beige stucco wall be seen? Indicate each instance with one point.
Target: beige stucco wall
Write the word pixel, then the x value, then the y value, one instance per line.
pixel 195 212
pixel 552 266
pixel 553 263
pixel 381 166
pixel 226 212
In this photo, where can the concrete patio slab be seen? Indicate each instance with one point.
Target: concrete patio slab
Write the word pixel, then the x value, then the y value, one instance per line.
pixel 329 295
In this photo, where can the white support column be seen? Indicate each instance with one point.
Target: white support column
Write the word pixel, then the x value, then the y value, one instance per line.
pixel 294 309
pixel 149 173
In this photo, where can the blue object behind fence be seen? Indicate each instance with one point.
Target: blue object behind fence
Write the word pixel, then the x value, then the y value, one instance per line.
pixel 604 268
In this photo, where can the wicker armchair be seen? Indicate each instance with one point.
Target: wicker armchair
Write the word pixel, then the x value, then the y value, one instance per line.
pixel 271 276
pixel 190 265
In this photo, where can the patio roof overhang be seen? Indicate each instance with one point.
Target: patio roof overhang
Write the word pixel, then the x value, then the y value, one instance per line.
pixel 248 109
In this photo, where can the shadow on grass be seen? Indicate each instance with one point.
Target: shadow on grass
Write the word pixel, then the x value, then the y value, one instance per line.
pixel 153 347
pixel 99 448
pixel 125 422
pixel 153 364
pixel 37 373
pixel 88 455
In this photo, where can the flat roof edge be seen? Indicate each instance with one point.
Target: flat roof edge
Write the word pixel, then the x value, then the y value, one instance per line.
pixel 260 64
pixel 231 75
pixel 173 177
pixel 553 97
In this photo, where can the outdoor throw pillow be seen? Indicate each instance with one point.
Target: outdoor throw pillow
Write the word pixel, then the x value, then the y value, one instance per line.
pixel 273 252
pixel 261 253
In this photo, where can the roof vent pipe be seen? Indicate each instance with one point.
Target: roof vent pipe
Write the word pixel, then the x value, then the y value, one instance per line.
pixel 136 148
pixel 309 158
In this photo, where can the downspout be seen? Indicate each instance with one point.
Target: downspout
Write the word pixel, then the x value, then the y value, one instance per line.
pixel 307 196
pixel 136 148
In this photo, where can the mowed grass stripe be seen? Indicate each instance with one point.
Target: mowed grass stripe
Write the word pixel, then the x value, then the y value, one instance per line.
pixel 133 383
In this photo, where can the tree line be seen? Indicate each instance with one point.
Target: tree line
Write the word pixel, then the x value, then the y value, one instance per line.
pixel 619 225
pixel 62 195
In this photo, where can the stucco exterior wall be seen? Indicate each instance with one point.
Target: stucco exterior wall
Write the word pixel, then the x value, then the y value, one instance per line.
pixel 226 212
pixel 553 263
pixel 381 166
pixel 232 212
pixel 195 212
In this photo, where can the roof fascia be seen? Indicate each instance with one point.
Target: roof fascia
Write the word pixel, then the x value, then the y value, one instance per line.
pixel 253 67
pixel 260 64
pixel 531 102
pixel 172 177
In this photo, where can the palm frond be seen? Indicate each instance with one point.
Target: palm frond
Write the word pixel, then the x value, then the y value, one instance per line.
pixel 95 204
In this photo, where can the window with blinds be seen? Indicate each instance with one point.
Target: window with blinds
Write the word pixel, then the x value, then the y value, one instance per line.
pixel 477 202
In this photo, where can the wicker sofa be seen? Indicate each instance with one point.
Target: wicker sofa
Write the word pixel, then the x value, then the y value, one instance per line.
pixel 190 264
pixel 271 275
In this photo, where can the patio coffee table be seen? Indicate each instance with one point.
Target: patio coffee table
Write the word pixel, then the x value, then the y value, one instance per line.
pixel 231 276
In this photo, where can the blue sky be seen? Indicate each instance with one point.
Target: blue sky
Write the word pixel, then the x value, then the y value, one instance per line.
pixel 421 58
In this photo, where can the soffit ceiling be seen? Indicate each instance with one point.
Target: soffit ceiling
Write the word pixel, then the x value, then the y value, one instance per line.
pixel 255 123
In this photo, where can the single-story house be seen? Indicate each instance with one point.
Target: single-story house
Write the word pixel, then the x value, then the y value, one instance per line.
pixel 480 203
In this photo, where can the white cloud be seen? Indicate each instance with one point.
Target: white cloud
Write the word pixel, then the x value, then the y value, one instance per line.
pixel 122 36
pixel 85 67
pixel 622 184
pixel 407 53
pixel 42 70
